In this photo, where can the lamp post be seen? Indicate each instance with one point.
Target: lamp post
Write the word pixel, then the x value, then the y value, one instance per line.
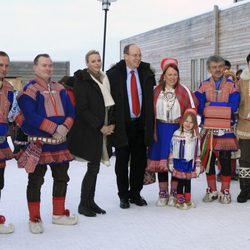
pixel 105 7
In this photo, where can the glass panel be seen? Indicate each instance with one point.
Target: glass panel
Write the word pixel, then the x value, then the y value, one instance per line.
pixel 194 74
pixel 203 69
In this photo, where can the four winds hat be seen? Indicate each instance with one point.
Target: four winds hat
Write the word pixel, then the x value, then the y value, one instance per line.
pixel 167 61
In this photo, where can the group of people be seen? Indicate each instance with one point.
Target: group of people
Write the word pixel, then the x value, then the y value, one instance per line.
pixel 153 127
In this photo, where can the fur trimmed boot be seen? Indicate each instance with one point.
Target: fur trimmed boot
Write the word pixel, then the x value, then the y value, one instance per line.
pixel 172 199
pixel 188 201
pixel 35 222
pixel 180 202
pixel 210 195
pixel 5 229
pixel 61 216
pixel 36 226
pixel 225 197
pixel 163 199
pixel 65 219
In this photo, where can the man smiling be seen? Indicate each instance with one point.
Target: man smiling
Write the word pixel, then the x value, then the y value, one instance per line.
pixel 48 116
pixel 218 91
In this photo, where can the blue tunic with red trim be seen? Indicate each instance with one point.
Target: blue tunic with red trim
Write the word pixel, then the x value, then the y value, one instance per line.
pixel 44 107
pixel 224 92
pixel 6 99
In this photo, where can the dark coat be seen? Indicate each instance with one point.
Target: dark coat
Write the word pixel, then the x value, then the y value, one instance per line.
pixel 117 77
pixel 85 139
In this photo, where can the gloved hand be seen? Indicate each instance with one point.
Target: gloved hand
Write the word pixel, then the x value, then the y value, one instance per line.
pixel 171 167
pixel 62 130
pixel 197 171
pixel 58 136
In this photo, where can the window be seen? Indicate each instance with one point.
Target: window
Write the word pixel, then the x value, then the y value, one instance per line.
pixel 241 66
pixel 194 74
pixel 203 69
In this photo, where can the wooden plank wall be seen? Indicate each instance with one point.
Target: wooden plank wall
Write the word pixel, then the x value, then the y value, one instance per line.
pixel 185 40
pixel 234 30
pixel 194 38
pixel 25 70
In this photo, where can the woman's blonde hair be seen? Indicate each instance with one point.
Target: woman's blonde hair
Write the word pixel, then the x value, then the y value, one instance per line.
pixel 91 52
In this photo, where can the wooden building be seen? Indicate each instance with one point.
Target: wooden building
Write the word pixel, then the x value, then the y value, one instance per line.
pixel 224 32
pixel 24 71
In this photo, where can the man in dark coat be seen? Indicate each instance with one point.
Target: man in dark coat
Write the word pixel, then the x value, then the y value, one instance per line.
pixel 132 83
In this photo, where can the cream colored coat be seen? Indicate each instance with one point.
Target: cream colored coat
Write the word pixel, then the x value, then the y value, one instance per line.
pixel 243 127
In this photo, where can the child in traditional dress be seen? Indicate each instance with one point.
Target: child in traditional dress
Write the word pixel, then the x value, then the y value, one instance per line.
pixel 184 158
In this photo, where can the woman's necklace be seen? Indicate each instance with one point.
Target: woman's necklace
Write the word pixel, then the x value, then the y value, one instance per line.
pixel 169 97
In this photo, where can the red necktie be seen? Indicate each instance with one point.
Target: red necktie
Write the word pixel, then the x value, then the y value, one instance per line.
pixel 134 95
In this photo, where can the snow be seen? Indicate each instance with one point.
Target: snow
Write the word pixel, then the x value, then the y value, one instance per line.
pixel 208 226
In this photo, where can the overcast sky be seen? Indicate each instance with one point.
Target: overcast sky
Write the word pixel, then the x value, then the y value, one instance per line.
pixel 67 29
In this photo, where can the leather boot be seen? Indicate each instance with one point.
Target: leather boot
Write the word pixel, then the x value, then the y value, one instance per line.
pixel 84 206
pixel 93 206
pixel 85 209
pixel 244 194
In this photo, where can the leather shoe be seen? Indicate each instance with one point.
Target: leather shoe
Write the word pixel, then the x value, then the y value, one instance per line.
pixel 124 203
pixel 84 210
pixel 139 201
pixel 96 209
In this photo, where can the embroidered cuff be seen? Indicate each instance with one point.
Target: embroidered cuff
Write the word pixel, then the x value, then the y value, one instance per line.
pixel 68 122
pixel 48 126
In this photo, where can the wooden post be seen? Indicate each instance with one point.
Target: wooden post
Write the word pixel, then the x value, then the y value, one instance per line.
pixel 216 30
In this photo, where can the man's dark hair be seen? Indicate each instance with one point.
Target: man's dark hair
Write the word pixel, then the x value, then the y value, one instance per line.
pixel 2 53
pixel 248 58
pixel 228 64
pixel 239 71
pixel 38 56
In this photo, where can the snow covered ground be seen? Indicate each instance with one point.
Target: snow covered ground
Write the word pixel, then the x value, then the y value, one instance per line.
pixel 208 226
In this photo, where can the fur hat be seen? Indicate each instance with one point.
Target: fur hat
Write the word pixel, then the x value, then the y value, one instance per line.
pixel 167 61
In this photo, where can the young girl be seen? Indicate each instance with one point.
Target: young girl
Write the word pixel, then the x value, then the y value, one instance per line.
pixel 184 158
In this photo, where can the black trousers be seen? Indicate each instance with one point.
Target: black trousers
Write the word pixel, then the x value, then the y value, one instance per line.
pixel 36 180
pixel 245 153
pixel 184 186
pixel 225 162
pixel 1 178
pixel 130 183
pixel 89 183
pixel 244 173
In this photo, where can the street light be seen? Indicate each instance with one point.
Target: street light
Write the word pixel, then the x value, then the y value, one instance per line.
pixel 105 7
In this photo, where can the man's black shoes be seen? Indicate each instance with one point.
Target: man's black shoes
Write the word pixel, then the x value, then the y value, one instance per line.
pixel 124 203
pixel 139 201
